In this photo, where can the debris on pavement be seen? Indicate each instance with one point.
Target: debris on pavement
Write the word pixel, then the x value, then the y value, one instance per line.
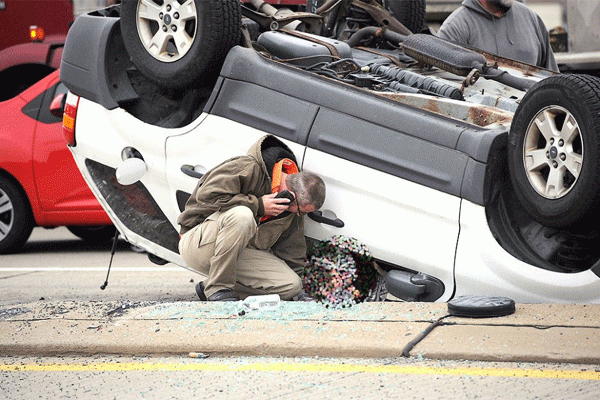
pixel 197 355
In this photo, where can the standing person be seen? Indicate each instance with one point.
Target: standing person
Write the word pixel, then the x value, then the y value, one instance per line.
pixel 503 27
pixel 237 232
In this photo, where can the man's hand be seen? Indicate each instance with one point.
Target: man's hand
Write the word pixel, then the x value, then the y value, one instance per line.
pixel 274 206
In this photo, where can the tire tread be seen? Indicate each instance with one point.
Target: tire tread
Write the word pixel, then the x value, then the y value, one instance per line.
pixel 219 28
pixel 583 202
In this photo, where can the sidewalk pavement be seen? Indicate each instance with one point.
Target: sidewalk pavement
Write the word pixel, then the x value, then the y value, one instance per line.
pixel 534 333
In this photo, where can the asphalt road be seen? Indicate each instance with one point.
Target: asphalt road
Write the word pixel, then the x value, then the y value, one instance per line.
pixel 286 378
pixel 55 266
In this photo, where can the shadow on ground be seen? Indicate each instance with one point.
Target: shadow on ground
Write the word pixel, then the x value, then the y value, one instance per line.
pixel 75 245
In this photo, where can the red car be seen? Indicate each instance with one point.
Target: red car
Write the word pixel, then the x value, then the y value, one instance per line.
pixel 39 182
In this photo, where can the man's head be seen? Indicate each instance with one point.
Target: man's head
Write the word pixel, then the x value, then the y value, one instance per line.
pixel 309 190
pixel 496 7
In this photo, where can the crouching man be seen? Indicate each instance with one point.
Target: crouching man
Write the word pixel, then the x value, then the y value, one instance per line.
pixel 237 232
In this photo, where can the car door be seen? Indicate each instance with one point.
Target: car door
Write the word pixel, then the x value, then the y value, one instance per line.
pixel 233 123
pixel 394 192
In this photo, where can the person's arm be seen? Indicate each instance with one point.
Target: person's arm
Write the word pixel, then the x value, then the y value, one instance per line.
pixel 229 185
pixel 548 61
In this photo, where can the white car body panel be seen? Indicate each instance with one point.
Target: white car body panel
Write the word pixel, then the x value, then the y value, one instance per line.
pixel 201 143
pixel 483 267
pixel 410 223
pixel 114 130
pixel 215 140
pixel 396 227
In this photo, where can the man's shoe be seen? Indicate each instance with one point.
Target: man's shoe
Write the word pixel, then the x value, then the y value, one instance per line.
pixel 303 296
pixel 200 291
pixel 221 295
pixel 224 295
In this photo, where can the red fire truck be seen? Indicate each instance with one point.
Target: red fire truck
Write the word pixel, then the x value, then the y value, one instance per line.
pixel 33 33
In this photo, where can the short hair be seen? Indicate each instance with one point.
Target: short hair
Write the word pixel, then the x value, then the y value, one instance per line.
pixel 308 187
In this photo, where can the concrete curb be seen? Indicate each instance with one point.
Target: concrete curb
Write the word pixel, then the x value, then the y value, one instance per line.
pixel 535 333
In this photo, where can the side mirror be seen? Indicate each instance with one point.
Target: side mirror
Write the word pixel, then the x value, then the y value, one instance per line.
pixel 57 106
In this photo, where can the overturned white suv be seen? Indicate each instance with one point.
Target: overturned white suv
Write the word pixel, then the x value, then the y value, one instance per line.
pixel 462 172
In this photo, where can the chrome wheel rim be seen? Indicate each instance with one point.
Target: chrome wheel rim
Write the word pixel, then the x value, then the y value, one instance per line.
pixel 553 152
pixel 167 28
pixel 7 214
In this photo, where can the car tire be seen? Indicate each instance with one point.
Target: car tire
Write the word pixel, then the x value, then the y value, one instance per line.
pixel 16 218
pixel 554 150
pixel 206 30
pixel 94 234
pixel 410 13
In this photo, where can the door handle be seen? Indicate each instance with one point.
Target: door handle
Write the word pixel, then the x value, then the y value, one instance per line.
pixel 189 170
pixel 317 216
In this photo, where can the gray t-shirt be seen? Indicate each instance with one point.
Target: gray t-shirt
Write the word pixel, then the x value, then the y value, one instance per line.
pixel 520 34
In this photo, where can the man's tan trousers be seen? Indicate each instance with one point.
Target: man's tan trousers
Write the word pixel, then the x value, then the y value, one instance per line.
pixel 219 249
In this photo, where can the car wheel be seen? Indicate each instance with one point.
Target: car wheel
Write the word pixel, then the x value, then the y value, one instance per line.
pixel 554 150
pixel 411 13
pixel 176 43
pixel 16 219
pixel 95 234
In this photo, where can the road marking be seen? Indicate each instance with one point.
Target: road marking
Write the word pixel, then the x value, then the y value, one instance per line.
pixel 300 367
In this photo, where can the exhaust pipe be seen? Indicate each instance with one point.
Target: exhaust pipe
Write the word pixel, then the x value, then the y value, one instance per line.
pixel 271 11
